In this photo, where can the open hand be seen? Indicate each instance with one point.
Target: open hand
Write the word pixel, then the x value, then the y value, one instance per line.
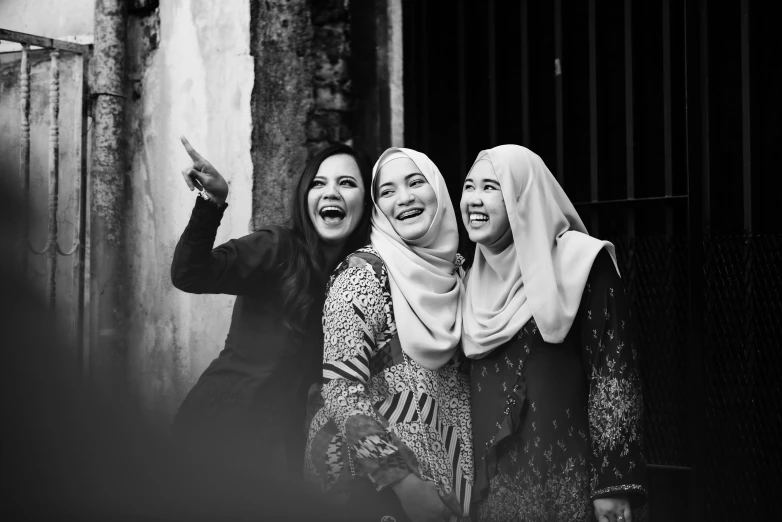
pixel 420 500
pixel 613 509
pixel 202 175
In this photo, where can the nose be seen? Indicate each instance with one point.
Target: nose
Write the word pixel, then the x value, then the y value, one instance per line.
pixel 331 191
pixel 404 197
pixel 473 199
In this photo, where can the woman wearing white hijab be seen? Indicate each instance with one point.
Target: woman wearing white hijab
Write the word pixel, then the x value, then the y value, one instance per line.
pixel 394 406
pixel 556 394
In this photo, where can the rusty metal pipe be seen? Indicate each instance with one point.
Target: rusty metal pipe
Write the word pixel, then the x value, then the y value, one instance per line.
pixel 106 362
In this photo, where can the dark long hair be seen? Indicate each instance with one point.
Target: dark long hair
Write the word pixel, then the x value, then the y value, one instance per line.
pixel 303 282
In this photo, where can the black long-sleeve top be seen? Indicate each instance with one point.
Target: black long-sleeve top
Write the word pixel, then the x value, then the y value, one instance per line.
pixel 250 401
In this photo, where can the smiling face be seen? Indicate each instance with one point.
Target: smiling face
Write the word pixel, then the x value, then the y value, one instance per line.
pixel 483 209
pixel 335 200
pixel 406 198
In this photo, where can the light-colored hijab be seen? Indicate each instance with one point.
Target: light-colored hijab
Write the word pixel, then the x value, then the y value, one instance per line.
pixel 542 273
pixel 426 289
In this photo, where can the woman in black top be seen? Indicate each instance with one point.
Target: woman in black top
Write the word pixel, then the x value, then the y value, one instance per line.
pixel 246 413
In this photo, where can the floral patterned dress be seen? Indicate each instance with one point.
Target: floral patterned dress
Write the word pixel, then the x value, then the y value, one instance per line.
pixel 558 425
pixel 379 414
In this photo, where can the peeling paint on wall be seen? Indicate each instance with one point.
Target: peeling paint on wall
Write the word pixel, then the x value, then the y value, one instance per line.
pixel 192 74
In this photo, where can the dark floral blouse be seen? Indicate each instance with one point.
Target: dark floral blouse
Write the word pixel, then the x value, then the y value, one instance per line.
pixel 558 425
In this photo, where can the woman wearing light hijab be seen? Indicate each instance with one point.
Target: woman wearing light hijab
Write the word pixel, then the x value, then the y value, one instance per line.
pixel 393 413
pixel 556 398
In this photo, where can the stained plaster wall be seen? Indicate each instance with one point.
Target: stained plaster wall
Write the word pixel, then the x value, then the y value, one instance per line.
pixel 49 18
pixel 191 73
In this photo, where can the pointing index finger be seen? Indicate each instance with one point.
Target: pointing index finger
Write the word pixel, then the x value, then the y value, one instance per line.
pixel 190 150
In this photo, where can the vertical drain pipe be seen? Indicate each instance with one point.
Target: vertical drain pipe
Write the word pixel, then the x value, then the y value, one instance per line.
pixel 107 357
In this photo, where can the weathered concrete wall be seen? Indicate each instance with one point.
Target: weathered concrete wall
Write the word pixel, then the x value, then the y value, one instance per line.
pixel 191 73
pixel 302 100
pixel 50 18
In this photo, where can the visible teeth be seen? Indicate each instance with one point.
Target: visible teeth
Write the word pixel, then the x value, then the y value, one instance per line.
pixel 479 217
pixel 409 213
pixel 332 210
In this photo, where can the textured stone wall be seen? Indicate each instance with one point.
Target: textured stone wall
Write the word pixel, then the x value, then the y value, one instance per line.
pixel 302 99
pixel 330 120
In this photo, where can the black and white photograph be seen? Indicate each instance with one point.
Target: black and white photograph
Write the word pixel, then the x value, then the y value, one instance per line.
pixel 390 260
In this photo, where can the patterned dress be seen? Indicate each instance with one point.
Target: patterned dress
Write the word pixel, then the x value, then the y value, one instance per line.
pixel 379 414
pixel 558 425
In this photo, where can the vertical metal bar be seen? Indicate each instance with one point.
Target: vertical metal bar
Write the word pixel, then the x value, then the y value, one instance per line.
pixel 492 74
pixel 462 72
pixel 80 225
pixel 667 117
pixel 629 115
pixel 525 116
pixel 54 171
pixel 24 152
pixel 696 48
pixel 749 255
pixel 705 188
pixel 424 99
pixel 411 78
pixel 593 159
pixel 560 123
pixel 667 133
pixel 746 163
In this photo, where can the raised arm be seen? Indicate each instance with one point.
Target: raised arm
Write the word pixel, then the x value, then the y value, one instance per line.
pixel 240 266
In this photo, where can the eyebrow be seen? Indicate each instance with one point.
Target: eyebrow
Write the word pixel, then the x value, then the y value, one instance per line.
pixel 406 178
pixel 470 179
pixel 341 176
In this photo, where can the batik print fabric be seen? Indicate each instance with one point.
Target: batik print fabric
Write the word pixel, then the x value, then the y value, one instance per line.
pixel 366 421
pixel 558 425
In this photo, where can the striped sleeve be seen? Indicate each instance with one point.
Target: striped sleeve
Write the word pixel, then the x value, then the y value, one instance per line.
pixel 353 318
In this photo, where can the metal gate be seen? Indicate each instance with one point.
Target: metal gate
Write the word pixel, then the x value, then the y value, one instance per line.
pixel 659 119
pixel 23 69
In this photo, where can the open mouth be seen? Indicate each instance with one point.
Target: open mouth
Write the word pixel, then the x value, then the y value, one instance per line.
pixel 478 217
pixel 332 215
pixel 409 214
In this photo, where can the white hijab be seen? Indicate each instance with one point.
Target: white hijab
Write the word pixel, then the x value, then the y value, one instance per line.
pixel 542 273
pixel 426 289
